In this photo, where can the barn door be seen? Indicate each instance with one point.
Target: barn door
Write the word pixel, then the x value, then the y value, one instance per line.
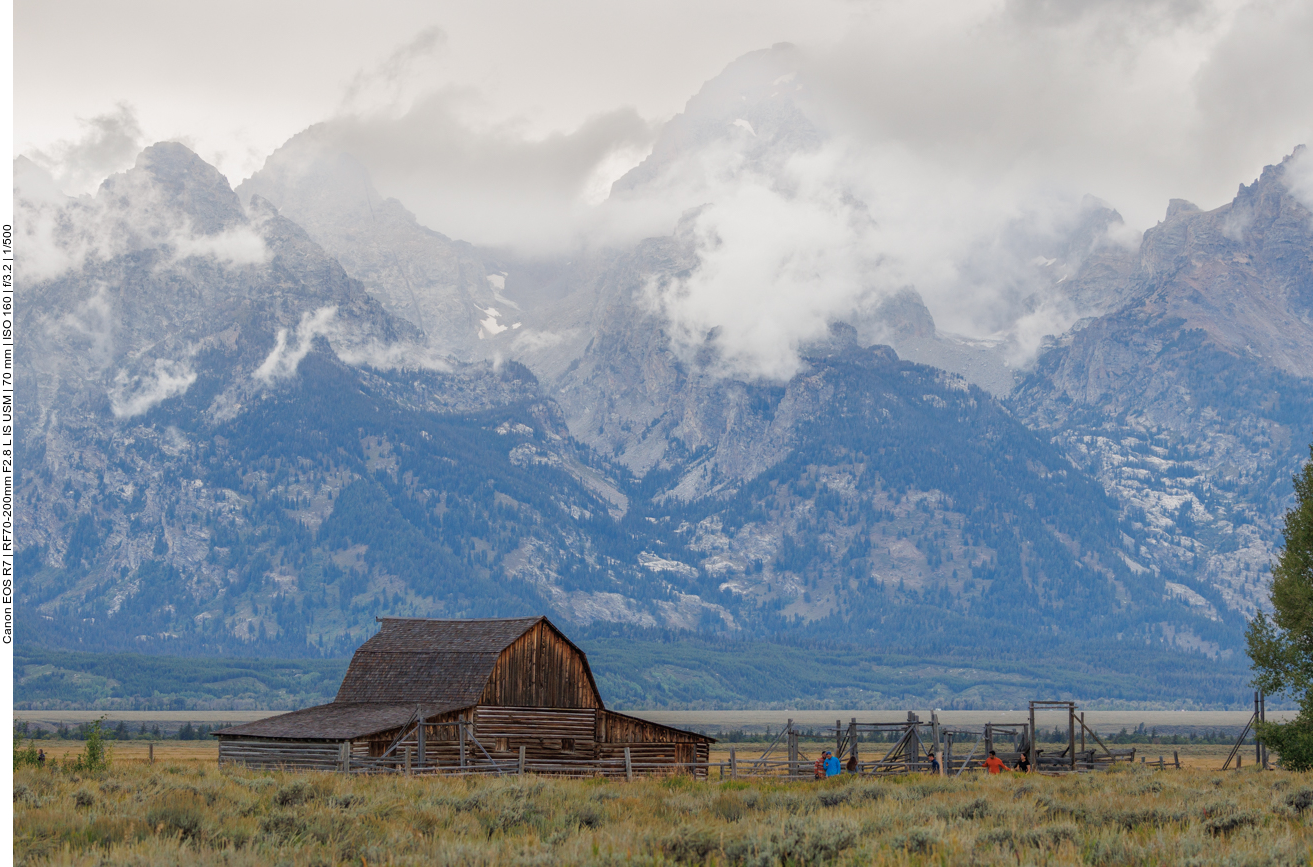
pixel 685 754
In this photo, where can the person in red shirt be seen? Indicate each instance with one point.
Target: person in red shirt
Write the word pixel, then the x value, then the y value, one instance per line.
pixel 994 763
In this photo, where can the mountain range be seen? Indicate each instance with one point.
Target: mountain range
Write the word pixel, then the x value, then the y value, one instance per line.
pixel 251 420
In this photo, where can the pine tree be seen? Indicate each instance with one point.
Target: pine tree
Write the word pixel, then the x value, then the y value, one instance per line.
pixel 1281 647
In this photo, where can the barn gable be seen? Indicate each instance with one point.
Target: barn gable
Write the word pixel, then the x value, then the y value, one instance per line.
pixel 541 668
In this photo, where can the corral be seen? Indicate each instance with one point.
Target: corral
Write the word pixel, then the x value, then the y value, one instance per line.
pixel 466 696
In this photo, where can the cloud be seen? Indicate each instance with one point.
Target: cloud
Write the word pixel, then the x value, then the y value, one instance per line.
pixel 109 143
pixel 289 349
pixel 386 83
pixel 492 184
pixel 134 395
pixel 1299 177
pixel 777 264
pixel 238 245
pixel 283 359
pixel 129 213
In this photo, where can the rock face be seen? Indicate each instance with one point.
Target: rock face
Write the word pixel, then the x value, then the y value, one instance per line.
pixel 439 286
pixel 1191 397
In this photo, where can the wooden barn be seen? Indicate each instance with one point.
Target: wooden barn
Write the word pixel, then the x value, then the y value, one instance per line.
pixel 491 695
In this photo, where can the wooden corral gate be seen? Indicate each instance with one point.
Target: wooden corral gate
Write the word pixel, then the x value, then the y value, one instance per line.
pixel 466 696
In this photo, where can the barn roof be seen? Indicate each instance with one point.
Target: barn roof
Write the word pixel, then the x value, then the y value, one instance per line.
pixel 445 662
pixel 339 720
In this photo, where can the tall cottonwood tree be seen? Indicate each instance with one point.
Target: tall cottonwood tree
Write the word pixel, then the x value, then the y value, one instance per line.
pixel 1281 647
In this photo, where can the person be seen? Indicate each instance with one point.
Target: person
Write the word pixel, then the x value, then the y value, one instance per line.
pixel 994 764
pixel 1023 763
pixel 934 763
pixel 40 758
pixel 833 767
pixel 852 763
pixel 819 770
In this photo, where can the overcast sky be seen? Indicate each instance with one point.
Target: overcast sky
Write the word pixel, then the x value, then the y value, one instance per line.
pixel 505 122
pixel 241 77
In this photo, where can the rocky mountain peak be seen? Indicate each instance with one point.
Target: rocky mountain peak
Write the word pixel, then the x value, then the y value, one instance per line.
pixel 755 107
pixel 185 183
pixel 1176 207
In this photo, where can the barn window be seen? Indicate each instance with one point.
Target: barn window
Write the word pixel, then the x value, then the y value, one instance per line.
pixel 503 744
pixel 567 745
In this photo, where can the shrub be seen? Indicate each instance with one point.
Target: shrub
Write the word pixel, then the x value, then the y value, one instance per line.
pixel 1292 742
pixel 1301 800
pixel 690 844
pixel 83 798
pixel 96 754
pixel 729 807
pixel 294 794
pixel 834 797
pixel 182 819
pixel 804 842
pixel 587 816
pixel 917 841
pixel 1220 826
pixel 977 809
pixel 24 756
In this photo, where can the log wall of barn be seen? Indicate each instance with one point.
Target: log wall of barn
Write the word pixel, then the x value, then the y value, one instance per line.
pixel 289 754
pixel 541 669
pixel 617 728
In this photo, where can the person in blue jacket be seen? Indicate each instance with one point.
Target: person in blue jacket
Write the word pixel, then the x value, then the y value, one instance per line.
pixel 833 767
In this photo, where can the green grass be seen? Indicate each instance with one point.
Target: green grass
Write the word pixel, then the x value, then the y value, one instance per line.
pixel 58 679
pixel 166 815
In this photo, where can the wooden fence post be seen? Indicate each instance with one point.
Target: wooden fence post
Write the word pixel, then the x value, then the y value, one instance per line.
pixel 793 752
pixel 1034 755
pixel 423 752
pixel 733 764
pixel 407 754
pixel 1176 757
pixel 521 770
pixel 150 750
pixel 1258 748
pixel 1262 717
pixel 462 742
pixel 1071 733
pixel 629 765
pixel 346 757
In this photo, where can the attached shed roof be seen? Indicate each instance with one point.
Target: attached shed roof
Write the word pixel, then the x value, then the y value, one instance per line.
pixel 335 721
pixel 445 662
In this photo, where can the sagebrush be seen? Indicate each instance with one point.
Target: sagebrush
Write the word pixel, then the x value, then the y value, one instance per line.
pixel 166 814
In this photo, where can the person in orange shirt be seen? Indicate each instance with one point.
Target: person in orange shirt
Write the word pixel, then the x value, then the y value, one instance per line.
pixel 994 763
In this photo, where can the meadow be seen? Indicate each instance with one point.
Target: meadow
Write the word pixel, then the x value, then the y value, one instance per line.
pixel 179 812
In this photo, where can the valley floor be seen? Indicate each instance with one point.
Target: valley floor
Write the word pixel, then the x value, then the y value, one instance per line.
pixel 183 810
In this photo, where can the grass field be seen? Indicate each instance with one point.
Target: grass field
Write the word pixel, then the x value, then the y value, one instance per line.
pixel 184 811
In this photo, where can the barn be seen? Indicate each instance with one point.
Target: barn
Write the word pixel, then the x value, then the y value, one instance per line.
pixel 488 695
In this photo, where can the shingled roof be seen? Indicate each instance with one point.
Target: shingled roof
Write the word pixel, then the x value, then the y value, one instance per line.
pixel 338 720
pixel 445 662
pixel 443 665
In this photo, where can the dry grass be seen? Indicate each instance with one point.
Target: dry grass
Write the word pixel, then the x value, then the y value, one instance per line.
pixel 193 814
pixel 178 752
